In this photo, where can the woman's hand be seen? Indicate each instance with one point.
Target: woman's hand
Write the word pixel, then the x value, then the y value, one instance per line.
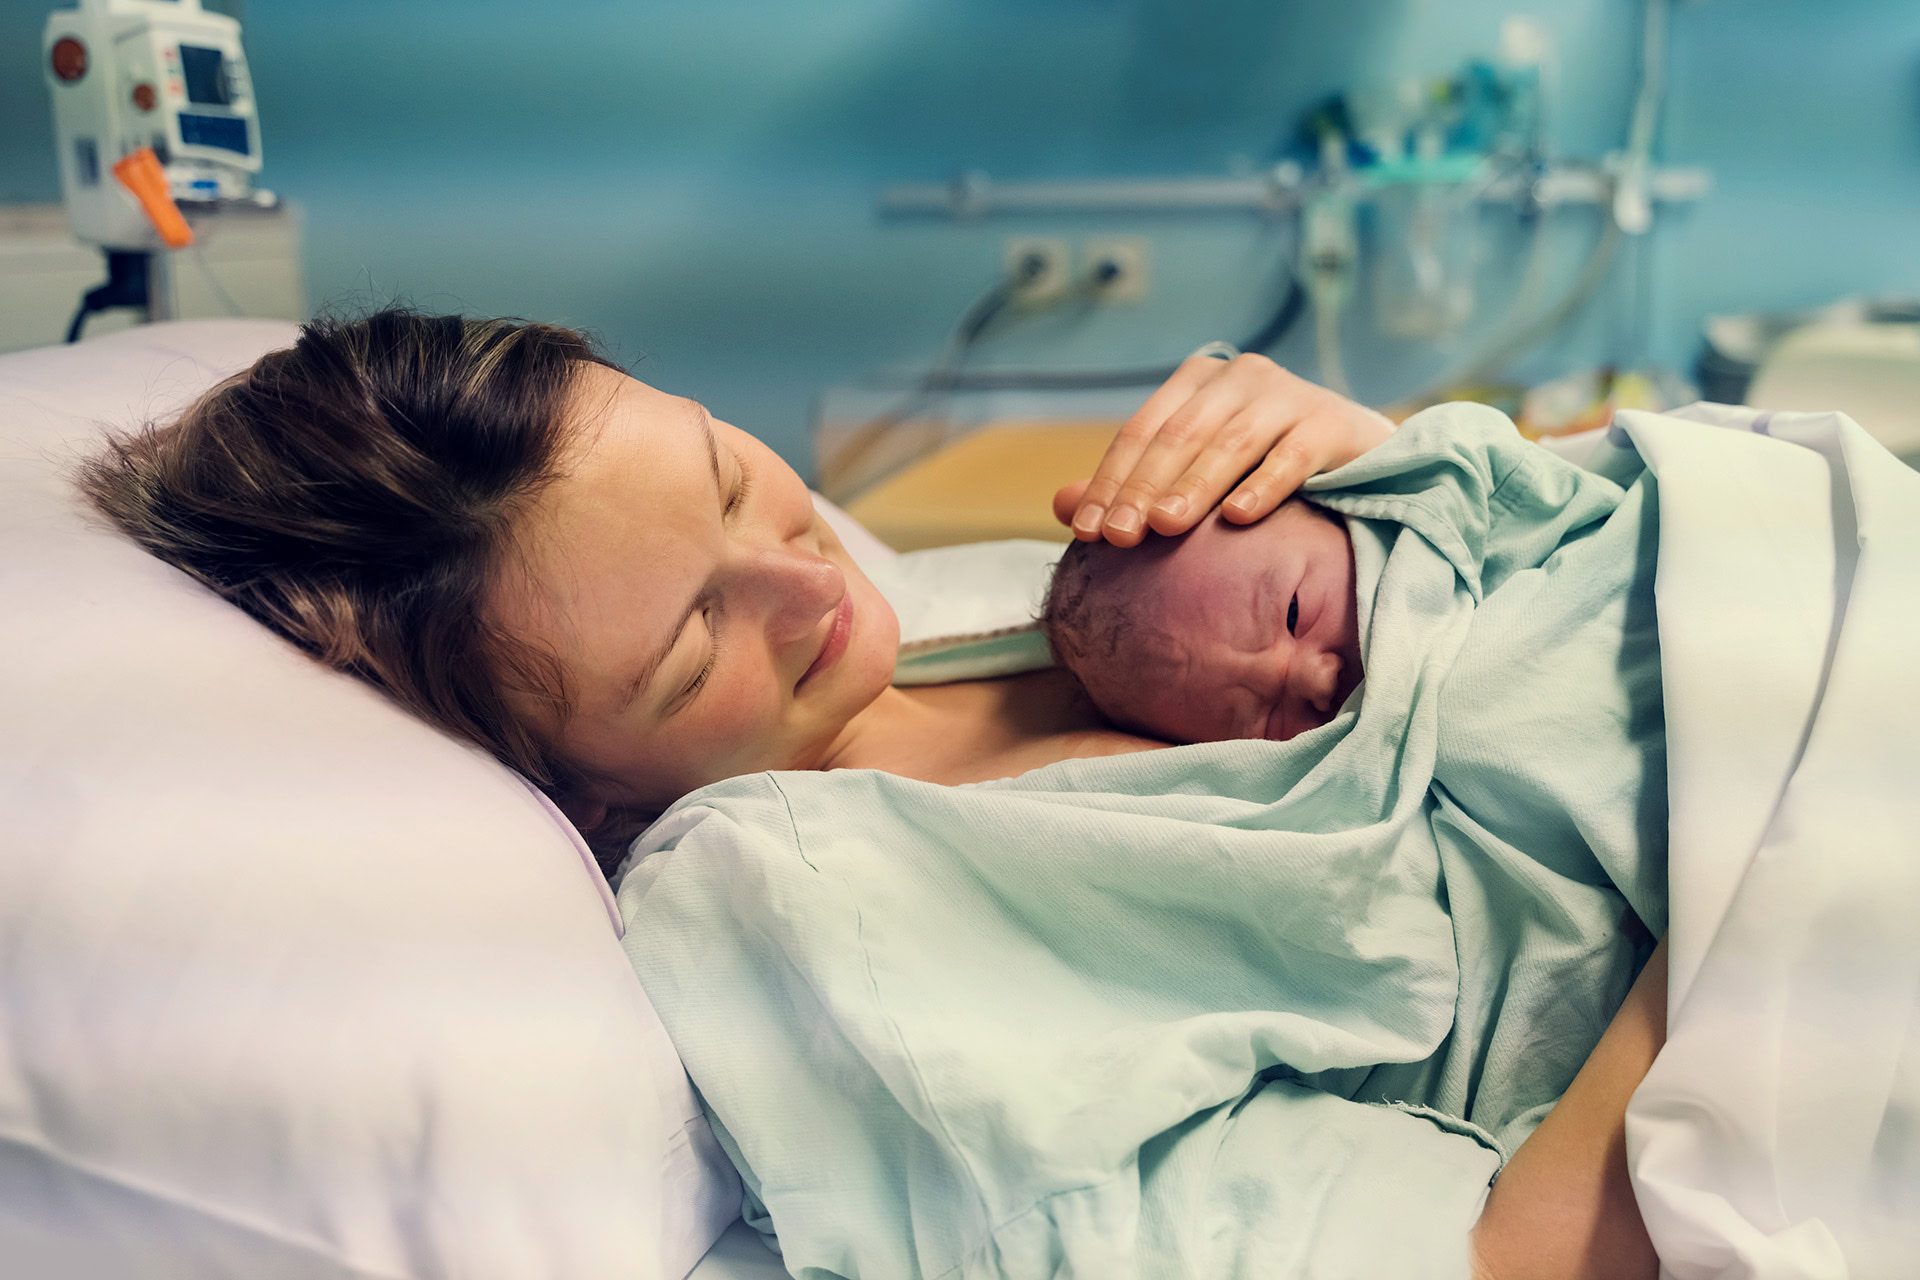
pixel 1206 428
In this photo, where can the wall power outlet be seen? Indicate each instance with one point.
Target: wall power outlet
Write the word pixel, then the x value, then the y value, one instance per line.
pixel 1116 268
pixel 1045 262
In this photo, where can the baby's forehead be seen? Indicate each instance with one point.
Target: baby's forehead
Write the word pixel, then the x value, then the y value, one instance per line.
pixel 1200 567
pixel 1165 627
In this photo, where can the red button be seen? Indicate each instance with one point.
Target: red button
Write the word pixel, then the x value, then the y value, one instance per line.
pixel 69 59
pixel 144 96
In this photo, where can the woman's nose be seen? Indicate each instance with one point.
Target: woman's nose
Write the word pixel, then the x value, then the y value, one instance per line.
pixel 793 589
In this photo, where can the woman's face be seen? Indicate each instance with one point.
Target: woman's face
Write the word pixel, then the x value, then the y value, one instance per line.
pixel 709 622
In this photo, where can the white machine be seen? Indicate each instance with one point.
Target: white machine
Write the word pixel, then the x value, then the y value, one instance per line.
pixel 153 113
pixel 1871 372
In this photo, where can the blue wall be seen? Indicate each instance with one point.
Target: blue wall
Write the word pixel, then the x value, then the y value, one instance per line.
pixel 696 182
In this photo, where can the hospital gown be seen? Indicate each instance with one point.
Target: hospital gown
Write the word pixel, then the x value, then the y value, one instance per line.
pixel 1232 1009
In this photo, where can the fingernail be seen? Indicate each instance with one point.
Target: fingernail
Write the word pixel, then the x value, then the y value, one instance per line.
pixel 1124 520
pixel 1089 519
pixel 1172 508
pixel 1244 503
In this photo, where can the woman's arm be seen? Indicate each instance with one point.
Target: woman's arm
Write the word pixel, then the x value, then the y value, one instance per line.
pixel 1563 1208
pixel 1244 425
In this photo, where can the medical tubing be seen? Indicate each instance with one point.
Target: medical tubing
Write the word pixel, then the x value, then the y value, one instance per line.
pixel 973 322
pixel 1326 350
pixel 1522 333
pixel 213 281
pixel 1533 273
pixel 1632 183
pixel 945 376
pixel 1292 304
pixel 1653 80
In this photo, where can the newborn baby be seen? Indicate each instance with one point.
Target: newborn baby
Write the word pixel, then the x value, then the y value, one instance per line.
pixel 1230 631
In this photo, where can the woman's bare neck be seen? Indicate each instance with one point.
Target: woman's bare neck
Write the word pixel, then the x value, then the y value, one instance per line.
pixel 980 730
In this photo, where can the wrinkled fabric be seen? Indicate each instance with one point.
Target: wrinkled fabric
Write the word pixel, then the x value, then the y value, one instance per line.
pixel 1778 1132
pixel 1233 1009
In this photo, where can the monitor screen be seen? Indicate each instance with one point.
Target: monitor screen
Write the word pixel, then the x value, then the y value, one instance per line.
pixel 205 73
pixel 229 133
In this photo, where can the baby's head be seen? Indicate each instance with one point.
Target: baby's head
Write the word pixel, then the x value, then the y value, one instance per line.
pixel 1229 631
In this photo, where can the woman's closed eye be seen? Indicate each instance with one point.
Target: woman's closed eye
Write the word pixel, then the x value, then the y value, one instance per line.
pixel 735 500
pixel 739 495
pixel 713 653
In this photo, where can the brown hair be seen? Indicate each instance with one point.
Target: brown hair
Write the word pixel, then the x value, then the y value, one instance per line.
pixel 357 493
pixel 1082 626
pixel 1089 624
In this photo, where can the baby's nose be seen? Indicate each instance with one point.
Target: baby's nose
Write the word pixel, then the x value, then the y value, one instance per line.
pixel 1320 676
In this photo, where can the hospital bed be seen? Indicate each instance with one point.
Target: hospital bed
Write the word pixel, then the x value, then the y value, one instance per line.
pixel 995 481
pixel 298 987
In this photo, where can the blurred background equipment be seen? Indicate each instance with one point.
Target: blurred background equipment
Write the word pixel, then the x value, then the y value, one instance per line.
pixel 1868 368
pixel 1394 188
pixel 153 116
pixel 710 189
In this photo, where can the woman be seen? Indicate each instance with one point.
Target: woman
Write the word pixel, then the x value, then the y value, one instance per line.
pixel 626 600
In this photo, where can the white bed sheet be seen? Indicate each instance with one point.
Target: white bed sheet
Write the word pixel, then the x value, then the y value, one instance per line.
pixel 1778 1133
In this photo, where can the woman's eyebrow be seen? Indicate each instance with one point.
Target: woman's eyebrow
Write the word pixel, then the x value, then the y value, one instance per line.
pixel 704 420
pixel 651 667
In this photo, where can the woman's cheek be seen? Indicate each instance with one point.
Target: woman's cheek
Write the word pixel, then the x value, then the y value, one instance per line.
pixel 744 717
pixel 879 628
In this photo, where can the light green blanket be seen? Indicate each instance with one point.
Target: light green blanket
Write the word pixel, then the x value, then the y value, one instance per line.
pixel 1235 1009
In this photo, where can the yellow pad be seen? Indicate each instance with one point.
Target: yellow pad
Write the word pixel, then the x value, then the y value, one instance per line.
pixel 997 482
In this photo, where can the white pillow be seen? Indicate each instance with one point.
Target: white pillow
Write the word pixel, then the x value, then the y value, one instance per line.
pixel 866 550
pixel 293 985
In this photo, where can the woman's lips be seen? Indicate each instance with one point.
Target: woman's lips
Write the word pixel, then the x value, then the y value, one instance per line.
pixel 836 641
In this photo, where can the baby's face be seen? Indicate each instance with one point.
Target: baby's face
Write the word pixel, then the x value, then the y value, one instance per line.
pixel 1242 631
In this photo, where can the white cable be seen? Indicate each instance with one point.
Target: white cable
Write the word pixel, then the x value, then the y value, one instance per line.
pixel 1653 78
pixel 1632 206
pixel 1326 348
pixel 220 290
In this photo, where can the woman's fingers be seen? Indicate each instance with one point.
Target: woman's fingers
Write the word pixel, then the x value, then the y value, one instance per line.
pixel 1245 467
pixel 1301 453
pixel 1067 500
pixel 1211 431
pixel 1329 431
pixel 1245 430
pixel 1097 501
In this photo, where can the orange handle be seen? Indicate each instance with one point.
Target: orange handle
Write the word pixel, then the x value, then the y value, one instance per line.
pixel 140 172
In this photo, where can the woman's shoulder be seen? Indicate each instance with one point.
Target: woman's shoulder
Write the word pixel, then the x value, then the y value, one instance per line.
pixel 750 807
